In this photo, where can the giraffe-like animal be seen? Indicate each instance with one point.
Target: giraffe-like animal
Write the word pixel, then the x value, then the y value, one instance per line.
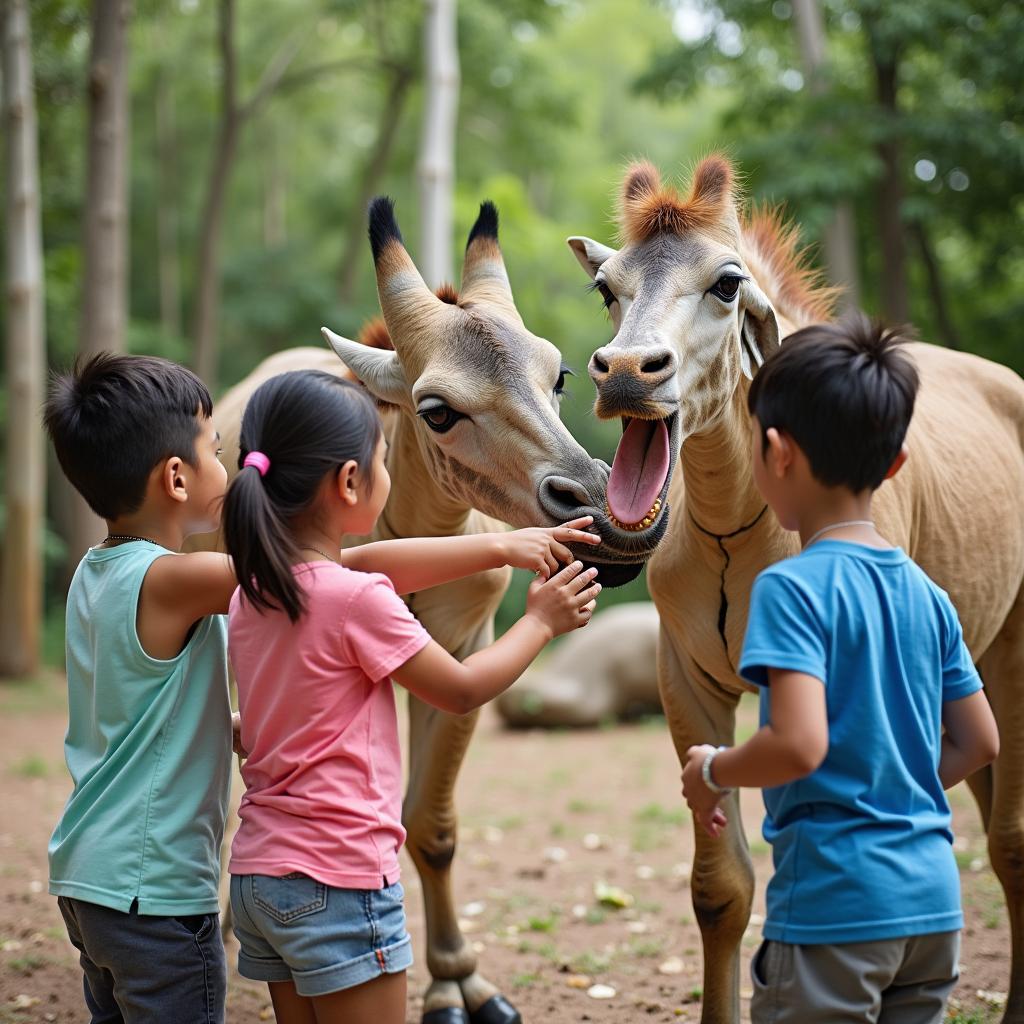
pixel 475 441
pixel 699 293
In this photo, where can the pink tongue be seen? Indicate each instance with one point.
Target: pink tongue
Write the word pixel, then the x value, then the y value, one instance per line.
pixel 638 470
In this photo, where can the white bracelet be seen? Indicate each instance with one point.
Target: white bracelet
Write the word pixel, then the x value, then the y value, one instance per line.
pixel 705 773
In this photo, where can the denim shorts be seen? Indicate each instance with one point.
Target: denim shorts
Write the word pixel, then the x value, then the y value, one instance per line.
pixel 294 928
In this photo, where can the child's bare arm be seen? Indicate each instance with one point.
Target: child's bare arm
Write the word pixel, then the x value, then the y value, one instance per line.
pixel 557 606
pixel 418 563
pixel 177 592
pixel 793 744
pixel 970 740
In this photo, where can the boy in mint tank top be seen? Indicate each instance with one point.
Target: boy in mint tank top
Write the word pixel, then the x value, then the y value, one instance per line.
pixel 870 704
pixel 134 859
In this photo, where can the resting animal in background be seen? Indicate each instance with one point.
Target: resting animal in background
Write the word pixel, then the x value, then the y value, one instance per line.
pixel 609 673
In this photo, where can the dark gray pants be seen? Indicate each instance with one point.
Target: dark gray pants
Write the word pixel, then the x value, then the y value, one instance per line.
pixel 141 969
pixel 890 981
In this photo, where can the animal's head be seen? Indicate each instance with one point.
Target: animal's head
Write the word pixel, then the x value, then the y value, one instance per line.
pixel 691 321
pixel 482 391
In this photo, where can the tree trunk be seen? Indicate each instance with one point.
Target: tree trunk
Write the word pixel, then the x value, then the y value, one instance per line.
pixel 21 574
pixel 168 262
pixel 208 262
pixel 105 243
pixel 840 240
pixel 437 147
pixel 936 288
pixel 387 132
pixel 889 200
pixel 275 191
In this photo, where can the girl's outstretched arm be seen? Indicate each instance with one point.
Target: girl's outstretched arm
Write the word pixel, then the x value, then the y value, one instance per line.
pixel 562 603
pixel 418 563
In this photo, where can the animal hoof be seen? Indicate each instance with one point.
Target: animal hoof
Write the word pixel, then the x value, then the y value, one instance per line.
pixel 497 1010
pixel 449 1015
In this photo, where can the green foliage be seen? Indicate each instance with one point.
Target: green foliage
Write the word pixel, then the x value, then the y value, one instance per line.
pixel 556 95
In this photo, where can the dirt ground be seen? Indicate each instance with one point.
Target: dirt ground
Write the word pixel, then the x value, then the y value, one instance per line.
pixel 547 819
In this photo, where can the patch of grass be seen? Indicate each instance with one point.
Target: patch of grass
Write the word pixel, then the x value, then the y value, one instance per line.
pixel 542 924
pixel 596 915
pixel 647 948
pixel 46 692
pixel 758 847
pixel 27 964
pixel 580 806
pixel 525 980
pixel 647 837
pixel 31 767
pixel 558 776
pixel 648 907
pixel 655 814
pixel 975 1016
pixel 509 823
pixel 590 962
pixel 558 830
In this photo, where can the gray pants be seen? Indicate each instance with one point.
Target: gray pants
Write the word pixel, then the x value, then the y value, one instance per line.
pixel 890 981
pixel 148 970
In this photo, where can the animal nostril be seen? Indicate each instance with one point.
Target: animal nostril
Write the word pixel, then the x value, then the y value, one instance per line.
pixel 599 364
pixel 561 494
pixel 565 496
pixel 655 365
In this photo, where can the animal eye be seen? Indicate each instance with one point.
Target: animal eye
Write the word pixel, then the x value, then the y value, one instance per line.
pixel 726 287
pixel 559 388
pixel 440 417
pixel 606 293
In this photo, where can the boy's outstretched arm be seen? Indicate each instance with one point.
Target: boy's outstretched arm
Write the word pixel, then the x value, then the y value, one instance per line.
pixel 418 563
pixel 793 744
pixel 177 592
pixel 970 740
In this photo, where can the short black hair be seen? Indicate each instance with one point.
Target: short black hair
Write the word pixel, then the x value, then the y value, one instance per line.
pixel 114 417
pixel 845 393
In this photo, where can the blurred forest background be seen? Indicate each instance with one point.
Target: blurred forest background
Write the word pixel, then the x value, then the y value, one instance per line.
pixel 255 133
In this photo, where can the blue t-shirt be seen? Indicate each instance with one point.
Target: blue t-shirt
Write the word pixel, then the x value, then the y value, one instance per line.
pixel 862 846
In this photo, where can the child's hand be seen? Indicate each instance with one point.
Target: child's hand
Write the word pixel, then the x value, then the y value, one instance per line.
pixel 540 549
pixel 703 802
pixel 236 735
pixel 566 601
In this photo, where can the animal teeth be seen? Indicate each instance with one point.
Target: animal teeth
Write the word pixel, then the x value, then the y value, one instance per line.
pixel 649 517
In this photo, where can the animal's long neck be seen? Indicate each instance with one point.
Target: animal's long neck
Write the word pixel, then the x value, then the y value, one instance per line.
pixel 418 505
pixel 721 496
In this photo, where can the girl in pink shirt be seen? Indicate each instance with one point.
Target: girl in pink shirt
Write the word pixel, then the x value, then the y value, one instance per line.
pixel 314 639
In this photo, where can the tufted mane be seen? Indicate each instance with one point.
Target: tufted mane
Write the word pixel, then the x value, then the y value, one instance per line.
pixel 773 253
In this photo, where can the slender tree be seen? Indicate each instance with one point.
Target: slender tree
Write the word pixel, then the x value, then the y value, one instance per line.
pixel 21 579
pixel 437 148
pixel 840 234
pixel 233 116
pixel 165 154
pixel 104 305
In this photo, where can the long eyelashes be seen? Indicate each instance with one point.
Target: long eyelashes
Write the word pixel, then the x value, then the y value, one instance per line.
pixel 606 292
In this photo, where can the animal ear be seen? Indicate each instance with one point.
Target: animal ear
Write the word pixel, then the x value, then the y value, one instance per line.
pixel 759 332
pixel 378 370
pixel 590 254
pixel 484 278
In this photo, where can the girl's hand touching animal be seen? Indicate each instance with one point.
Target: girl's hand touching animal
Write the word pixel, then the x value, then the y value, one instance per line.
pixel 566 601
pixel 541 549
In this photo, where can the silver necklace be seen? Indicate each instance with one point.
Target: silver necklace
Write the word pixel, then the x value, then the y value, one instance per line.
pixel 837 526
pixel 128 536
pixel 311 547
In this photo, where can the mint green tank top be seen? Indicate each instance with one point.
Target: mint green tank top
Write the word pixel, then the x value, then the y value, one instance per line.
pixel 148 747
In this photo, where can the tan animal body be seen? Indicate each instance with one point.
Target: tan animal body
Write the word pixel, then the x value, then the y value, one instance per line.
pixel 699 295
pixel 475 442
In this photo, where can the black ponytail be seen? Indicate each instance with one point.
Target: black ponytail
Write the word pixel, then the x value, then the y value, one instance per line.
pixel 308 424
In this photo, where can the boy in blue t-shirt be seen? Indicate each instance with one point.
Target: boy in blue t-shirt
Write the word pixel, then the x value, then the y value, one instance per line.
pixel 870 704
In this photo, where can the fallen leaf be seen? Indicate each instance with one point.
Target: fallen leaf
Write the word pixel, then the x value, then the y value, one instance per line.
pixel 578 981
pixel 612 896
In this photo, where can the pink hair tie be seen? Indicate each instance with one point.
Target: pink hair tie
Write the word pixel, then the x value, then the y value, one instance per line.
pixel 259 461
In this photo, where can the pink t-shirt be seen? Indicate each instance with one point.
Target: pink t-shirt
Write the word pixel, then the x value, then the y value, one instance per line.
pixel 324 774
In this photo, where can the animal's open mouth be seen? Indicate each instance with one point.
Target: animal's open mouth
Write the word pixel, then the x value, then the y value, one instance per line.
pixel 639 474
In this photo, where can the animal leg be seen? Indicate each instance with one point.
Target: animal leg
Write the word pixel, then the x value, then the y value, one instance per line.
pixel 1002 668
pixel 439 742
pixel 722 882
